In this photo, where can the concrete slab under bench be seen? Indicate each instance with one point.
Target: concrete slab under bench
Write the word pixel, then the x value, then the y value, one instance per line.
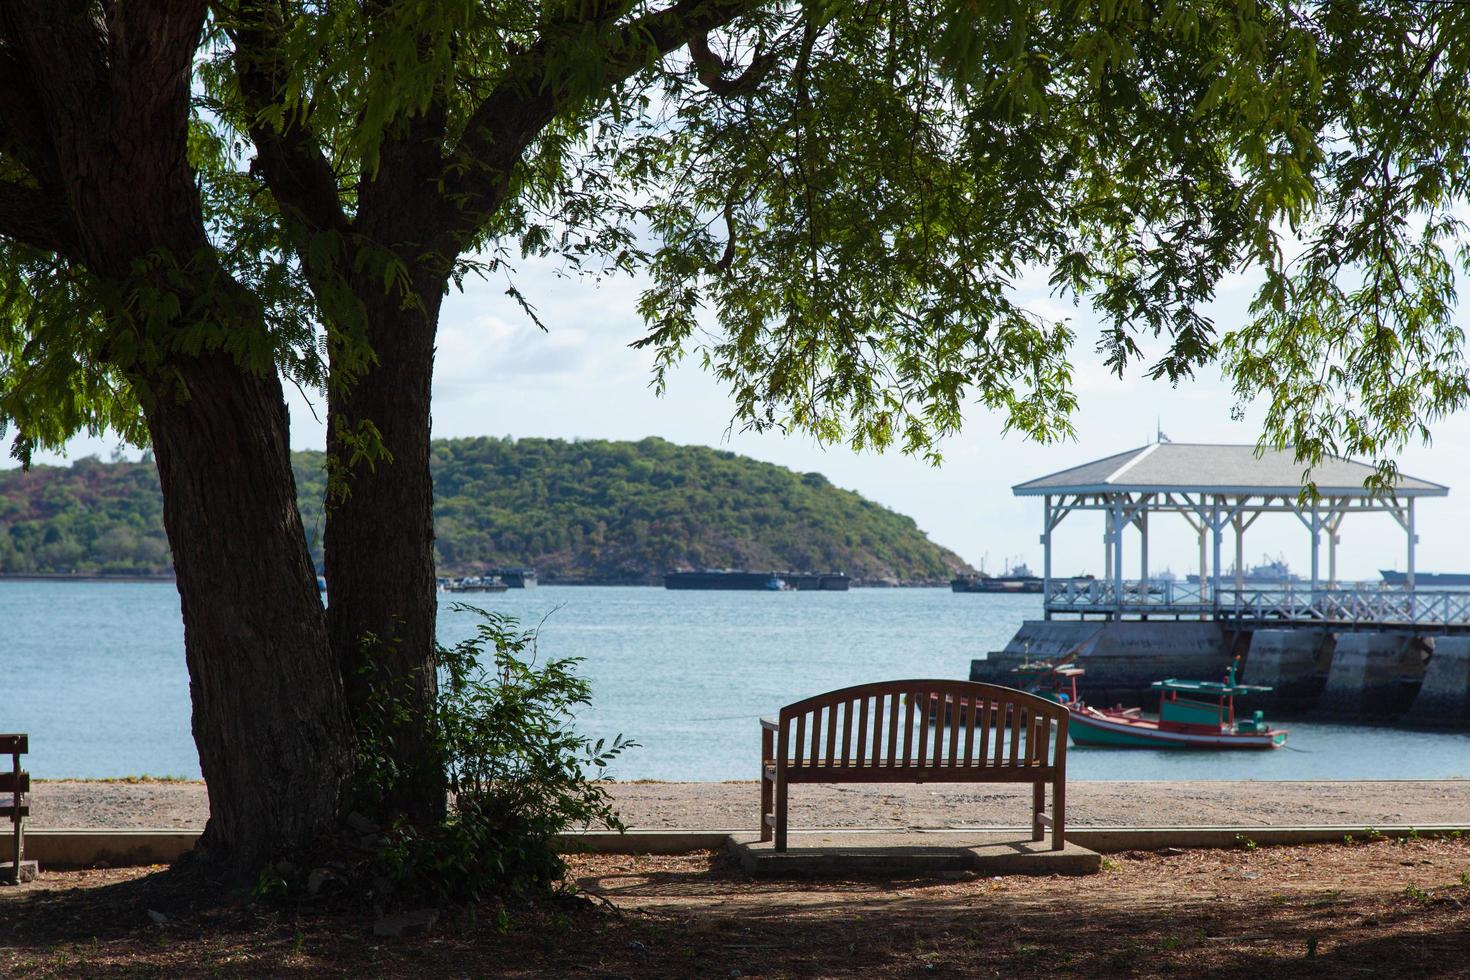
pixel 837 854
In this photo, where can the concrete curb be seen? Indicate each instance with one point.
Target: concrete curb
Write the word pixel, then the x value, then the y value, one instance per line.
pixel 64 848
pixel 91 848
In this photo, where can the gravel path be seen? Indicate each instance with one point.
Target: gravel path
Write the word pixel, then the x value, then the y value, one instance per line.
pixel 720 806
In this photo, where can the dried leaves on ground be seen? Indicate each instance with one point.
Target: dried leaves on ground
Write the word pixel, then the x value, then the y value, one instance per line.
pixel 1369 908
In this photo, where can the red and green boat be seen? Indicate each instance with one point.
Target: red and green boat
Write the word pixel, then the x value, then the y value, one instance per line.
pixel 1192 715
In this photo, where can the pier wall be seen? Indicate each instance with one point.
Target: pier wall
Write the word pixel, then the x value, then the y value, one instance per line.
pixel 1421 681
pixel 1444 698
pixel 1294 662
pixel 1121 658
pixel 1373 677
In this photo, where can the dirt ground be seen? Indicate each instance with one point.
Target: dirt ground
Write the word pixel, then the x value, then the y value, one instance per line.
pixel 729 806
pixel 1369 908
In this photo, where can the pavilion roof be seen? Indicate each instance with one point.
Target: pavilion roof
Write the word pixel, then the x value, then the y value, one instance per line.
pixel 1199 468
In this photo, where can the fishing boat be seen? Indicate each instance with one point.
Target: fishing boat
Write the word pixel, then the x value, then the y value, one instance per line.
pixel 1192 715
pixel 1190 722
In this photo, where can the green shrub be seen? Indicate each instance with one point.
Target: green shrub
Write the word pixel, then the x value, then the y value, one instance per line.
pixel 518 772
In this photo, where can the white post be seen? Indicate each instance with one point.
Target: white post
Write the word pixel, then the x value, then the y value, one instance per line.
pixel 1240 547
pixel 1215 529
pixel 1108 544
pixel 1204 574
pixel 1332 540
pixel 1046 558
pixel 1143 545
pixel 1118 556
pixel 1316 527
pixel 1413 540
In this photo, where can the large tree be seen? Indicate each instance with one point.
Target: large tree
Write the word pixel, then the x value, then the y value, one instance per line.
pixel 831 201
pixel 118 312
pixel 846 189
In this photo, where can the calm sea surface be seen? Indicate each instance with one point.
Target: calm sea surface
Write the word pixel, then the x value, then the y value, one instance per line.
pixel 95 673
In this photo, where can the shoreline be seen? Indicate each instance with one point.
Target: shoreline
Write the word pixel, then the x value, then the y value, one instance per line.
pixel 135 802
pixel 82 577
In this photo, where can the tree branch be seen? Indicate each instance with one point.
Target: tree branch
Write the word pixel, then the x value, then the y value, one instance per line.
pixel 710 68
pixel 287 155
pixel 528 97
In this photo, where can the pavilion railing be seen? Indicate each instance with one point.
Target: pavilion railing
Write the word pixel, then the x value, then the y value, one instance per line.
pixel 1286 602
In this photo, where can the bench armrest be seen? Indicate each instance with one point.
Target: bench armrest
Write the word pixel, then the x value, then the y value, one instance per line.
pixel 769 724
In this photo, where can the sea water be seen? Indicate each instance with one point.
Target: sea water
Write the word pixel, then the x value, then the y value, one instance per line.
pixel 95 673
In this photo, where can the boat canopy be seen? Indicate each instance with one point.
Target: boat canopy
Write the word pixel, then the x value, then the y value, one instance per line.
pixel 1214 688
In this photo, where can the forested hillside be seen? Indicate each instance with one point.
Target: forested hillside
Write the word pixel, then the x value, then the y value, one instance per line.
pixel 576 511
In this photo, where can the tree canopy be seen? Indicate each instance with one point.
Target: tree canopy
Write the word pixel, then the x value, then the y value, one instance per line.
pixel 831 202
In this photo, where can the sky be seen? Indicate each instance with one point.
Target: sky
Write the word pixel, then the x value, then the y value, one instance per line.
pixel 497 374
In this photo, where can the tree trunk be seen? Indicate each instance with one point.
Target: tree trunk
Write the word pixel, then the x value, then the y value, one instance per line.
pixel 273 740
pixel 379 542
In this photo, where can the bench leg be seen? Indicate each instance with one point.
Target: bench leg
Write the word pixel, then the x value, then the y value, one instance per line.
pixel 1059 814
pixel 768 758
pixel 1038 807
pixel 781 790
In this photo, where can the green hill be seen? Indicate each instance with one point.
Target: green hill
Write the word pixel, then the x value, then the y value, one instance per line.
pixel 577 511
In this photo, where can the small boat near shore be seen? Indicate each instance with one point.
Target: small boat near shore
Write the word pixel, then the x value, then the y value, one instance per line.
pixel 478 583
pixel 1204 718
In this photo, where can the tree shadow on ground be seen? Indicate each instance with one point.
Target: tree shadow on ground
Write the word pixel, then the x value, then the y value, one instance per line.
pixel 706 918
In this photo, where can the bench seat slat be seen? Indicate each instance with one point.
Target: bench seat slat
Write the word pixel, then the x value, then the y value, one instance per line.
pixel 8 782
pixel 920 702
pixel 969 774
pixel 800 736
pixel 893 700
pixel 908 728
pixel 832 733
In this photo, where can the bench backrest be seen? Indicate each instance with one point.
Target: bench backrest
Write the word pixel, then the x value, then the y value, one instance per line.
pixel 961 726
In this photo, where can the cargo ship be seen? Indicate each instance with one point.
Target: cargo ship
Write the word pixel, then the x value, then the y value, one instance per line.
pixel 1400 579
pixel 1017 579
pixel 737 579
pixel 1272 571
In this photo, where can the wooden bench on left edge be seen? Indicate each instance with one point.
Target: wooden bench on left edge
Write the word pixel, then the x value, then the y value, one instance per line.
pixel 15 788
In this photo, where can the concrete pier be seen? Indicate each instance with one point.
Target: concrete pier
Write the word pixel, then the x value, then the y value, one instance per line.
pixel 1294 662
pixel 1122 659
pixel 1444 697
pixel 1373 677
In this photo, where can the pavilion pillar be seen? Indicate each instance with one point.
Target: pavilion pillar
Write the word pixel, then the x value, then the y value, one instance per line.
pixel 1204 572
pixel 1143 545
pixel 1316 526
pixel 1413 540
pixel 1215 529
pixel 1239 523
pixel 1118 556
pixel 1046 558
pixel 1332 540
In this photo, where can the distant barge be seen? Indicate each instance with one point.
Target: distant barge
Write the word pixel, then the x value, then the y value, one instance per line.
pixel 758 581
pixel 1017 580
pixel 1401 579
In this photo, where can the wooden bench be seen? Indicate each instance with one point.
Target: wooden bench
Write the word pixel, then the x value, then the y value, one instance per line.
pixel 14 803
pixel 919 731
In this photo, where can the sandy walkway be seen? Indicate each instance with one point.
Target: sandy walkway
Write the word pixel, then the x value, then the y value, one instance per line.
pixel 719 806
